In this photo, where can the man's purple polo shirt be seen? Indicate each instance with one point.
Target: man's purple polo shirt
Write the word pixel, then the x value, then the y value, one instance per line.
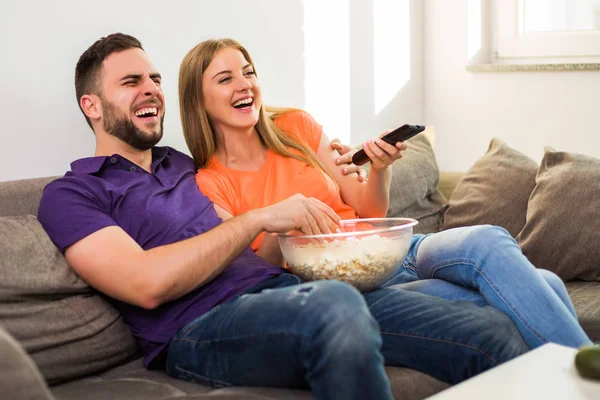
pixel 154 209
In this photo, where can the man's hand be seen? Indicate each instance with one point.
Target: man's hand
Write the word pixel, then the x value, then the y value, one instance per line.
pixel 345 160
pixel 305 214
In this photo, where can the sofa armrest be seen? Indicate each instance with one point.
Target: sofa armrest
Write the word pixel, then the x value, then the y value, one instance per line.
pixel 19 377
pixel 448 182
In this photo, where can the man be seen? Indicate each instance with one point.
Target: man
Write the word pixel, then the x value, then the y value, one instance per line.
pixel 133 224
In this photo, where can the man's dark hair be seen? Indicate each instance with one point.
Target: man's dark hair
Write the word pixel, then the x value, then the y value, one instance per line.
pixel 87 71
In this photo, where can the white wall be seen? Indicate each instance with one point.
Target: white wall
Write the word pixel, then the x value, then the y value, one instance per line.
pixel 528 110
pixel 40 42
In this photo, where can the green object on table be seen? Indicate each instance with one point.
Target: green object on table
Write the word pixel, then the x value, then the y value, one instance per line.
pixel 587 361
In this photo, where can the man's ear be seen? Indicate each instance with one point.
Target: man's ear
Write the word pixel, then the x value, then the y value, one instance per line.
pixel 90 104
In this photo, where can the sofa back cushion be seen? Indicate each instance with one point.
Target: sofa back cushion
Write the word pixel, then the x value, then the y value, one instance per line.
pixel 414 192
pixel 68 329
pixel 22 197
pixel 562 233
pixel 495 190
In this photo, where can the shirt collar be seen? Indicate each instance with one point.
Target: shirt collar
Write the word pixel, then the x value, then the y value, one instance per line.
pixel 88 165
pixel 91 165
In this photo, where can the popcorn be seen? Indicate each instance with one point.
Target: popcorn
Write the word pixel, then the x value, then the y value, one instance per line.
pixel 364 263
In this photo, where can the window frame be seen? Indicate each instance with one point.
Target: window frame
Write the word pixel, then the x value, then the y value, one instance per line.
pixel 513 46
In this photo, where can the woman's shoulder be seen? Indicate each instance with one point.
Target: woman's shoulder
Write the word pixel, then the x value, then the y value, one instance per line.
pixel 301 125
pixel 293 116
pixel 213 178
pixel 212 169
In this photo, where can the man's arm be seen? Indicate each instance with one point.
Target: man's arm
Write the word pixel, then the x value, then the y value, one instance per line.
pixel 348 168
pixel 112 262
pixel 269 249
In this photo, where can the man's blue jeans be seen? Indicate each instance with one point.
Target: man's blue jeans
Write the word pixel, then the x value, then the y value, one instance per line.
pixel 327 336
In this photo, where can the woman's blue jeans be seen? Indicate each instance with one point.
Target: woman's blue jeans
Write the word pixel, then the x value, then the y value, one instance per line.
pixel 327 336
pixel 485 265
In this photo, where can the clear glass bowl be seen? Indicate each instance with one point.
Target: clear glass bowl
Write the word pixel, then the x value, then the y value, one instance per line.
pixel 364 254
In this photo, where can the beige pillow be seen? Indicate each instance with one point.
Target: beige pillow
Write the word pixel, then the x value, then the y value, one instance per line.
pixel 68 329
pixel 495 190
pixel 562 233
pixel 413 191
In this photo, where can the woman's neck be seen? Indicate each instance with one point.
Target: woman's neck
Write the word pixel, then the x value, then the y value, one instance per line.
pixel 240 149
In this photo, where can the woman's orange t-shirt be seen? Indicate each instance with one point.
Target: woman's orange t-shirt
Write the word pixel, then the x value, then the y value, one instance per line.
pixel 277 179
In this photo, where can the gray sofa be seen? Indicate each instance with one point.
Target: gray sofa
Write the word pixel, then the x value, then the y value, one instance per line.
pixel 61 340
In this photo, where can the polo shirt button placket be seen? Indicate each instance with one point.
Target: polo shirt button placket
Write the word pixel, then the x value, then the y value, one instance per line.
pixel 113 160
pixel 132 169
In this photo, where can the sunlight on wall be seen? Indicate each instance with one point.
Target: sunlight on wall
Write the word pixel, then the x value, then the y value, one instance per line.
pixel 473 27
pixel 326 63
pixel 391 45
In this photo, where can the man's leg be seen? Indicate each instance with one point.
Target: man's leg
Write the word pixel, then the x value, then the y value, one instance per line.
pixel 450 340
pixel 487 259
pixel 319 334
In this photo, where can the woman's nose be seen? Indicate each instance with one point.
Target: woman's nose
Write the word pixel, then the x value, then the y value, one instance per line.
pixel 244 84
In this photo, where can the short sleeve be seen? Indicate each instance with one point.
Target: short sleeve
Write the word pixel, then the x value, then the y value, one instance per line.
pixel 302 125
pixel 216 188
pixel 70 210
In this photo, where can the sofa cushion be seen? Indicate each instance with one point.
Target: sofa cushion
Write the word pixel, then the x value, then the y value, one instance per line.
pixel 19 377
pixel 414 192
pixel 586 299
pixel 22 197
pixel 562 233
pixel 495 190
pixel 67 328
pixel 132 381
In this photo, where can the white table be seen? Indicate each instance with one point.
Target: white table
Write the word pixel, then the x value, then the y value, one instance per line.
pixel 547 372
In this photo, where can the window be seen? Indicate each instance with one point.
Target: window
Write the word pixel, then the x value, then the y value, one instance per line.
pixel 546 31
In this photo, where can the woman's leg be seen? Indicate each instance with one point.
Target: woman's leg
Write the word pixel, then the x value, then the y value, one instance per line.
pixel 559 288
pixel 489 260
pixel 407 279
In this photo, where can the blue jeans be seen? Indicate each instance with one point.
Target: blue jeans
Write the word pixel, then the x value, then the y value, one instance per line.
pixel 328 337
pixel 485 265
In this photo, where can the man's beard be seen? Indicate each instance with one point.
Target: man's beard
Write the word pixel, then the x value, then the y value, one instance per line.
pixel 124 128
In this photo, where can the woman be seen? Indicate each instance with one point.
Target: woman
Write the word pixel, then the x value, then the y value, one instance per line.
pixel 247 160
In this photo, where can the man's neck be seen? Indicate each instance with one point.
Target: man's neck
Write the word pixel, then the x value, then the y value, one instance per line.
pixel 107 145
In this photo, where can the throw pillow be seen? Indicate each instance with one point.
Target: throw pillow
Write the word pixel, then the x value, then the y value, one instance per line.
pixel 495 190
pixel 68 329
pixel 413 191
pixel 562 233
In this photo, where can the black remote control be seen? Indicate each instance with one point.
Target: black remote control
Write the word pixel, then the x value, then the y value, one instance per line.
pixel 401 134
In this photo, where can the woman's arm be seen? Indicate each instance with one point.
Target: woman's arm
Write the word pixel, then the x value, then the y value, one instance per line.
pixel 370 198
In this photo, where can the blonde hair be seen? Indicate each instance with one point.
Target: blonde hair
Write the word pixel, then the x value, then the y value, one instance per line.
pixel 199 135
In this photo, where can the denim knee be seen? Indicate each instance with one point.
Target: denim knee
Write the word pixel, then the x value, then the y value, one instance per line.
pixel 342 324
pixel 337 303
pixel 552 279
pixel 482 241
pixel 487 234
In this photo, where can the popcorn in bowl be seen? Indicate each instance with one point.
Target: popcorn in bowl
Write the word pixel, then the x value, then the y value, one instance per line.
pixel 364 254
